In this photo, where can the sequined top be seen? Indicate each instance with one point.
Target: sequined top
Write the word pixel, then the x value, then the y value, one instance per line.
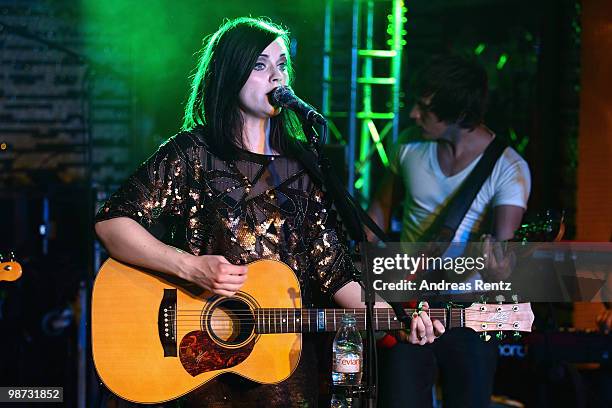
pixel 257 206
pixel 253 207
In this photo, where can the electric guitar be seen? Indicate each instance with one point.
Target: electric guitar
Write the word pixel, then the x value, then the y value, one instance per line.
pixel 547 226
pixel 155 338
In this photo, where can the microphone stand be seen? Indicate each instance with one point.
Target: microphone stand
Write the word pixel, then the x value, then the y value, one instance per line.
pixel 372 366
pixel 370 387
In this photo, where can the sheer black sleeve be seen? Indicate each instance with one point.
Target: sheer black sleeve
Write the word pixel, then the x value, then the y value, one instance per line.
pixel 331 261
pixel 154 195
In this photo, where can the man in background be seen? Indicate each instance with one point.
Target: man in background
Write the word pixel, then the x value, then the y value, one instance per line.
pixel 451 95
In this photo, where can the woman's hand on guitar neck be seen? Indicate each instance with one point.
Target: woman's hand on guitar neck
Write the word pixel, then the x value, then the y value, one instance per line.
pixel 422 329
pixel 214 273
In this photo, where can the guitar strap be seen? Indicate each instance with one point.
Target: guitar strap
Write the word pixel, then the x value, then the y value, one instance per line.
pixel 441 230
pixel 445 225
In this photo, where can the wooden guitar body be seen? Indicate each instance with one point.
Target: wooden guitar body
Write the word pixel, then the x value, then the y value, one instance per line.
pixel 138 362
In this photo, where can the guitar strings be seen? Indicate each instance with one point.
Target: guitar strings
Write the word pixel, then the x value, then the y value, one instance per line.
pixel 272 315
pixel 344 311
pixel 273 318
pixel 290 310
pixel 223 325
pixel 246 316
pixel 214 320
pixel 276 320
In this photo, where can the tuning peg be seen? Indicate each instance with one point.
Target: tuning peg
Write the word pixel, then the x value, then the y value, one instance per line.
pixel 1 258
pixel 485 336
pixel 517 335
pixel 515 298
pixel 12 256
pixel 484 299
pixel 500 299
pixel 500 335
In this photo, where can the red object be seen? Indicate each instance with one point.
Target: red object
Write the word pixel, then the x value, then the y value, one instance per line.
pixel 387 342
pixel 390 340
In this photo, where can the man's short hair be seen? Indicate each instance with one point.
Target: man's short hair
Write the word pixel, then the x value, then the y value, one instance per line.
pixel 458 88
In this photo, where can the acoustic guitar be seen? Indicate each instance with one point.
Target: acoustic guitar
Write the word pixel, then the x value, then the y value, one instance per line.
pixel 154 338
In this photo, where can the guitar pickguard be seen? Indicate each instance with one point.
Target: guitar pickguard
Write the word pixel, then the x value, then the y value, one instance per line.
pixel 199 353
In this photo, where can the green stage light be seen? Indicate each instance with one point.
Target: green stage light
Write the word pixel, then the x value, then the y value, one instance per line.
pixel 502 61
pixel 522 145
pixel 379 147
pixel 359 183
pixel 512 135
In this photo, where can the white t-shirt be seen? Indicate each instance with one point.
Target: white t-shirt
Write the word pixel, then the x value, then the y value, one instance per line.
pixel 427 189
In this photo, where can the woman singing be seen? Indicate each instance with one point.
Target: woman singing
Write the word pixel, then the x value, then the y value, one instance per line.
pixel 227 190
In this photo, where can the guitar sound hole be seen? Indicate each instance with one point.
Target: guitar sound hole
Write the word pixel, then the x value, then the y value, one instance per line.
pixel 231 322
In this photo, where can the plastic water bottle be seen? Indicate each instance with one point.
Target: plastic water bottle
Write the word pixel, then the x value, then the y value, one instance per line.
pixel 347 363
pixel 348 354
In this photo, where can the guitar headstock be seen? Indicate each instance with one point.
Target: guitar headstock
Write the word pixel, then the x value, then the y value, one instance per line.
pixel 484 317
pixel 11 270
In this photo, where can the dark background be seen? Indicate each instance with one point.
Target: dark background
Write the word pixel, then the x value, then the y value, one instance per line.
pixel 89 89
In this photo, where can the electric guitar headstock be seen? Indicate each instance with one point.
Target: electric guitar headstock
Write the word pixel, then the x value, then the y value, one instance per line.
pixel 10 270
pixel 490 317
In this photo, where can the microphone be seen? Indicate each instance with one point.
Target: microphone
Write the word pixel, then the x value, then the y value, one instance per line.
pixel 284 97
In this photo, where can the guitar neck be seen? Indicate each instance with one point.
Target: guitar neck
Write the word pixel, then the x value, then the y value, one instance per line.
pixel 325 320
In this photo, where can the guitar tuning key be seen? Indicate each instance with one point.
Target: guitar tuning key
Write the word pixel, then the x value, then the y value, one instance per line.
pixel 515 298
pixel 500 335
pixel 517 335
pixel 485 336
pixel 484 299
pixel 12 256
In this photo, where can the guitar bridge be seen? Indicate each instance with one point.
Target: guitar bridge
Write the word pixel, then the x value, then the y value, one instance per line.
pixel 166 323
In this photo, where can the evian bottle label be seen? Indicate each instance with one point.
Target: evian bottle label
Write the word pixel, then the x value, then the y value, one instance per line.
pixel 347 364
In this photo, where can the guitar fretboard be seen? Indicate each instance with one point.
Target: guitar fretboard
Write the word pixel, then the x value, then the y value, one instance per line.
pixel 282 320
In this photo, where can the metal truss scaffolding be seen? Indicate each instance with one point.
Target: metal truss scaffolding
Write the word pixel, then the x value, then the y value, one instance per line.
pixel 359 75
